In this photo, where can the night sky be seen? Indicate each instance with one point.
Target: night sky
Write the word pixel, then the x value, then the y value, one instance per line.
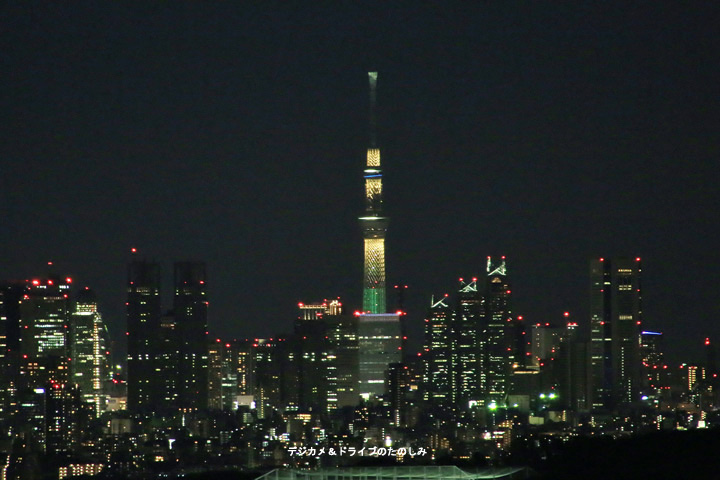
pixel 235 133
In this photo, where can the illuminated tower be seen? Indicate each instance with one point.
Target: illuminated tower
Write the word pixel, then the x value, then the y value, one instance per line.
pixel 379 346
pixel 373 223
pixel 438 350
pixel 89 358
pixel 499 352
pixel 455 349
pixel 468 366
pixel 44 321
pixel 615 319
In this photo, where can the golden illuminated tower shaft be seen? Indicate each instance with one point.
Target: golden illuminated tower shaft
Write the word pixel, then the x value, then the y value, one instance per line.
pixel 373 223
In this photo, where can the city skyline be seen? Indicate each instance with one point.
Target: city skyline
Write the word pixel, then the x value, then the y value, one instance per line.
pixel 548 135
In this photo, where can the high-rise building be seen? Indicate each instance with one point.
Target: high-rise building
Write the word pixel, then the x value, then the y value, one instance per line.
pixel 467 363
pixel 6 370
pixel 473 345
pixel 572 369
pixel 190 310
pixel 500 344
pixel 343 367
pixel 373 223
pixel 89 355
pixel 222 376
pixel 405 392
pixel 11 294
pixel 62 418
pixel 31 416
pixel 167 357
pixel 144 375
pixel 615 326
pixel 312 354
pixel 544 342
pixel 244 367
pixel 438 353
pixel 45 311
pixel 275 378
pixel 48 404
pixel 326 342
pixel 3 329
pixel 651 356
pixel 215 364
pixel 379 345
pixel 167 354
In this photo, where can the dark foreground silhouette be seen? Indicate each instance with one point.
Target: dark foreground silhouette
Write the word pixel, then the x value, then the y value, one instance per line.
pixel 672 455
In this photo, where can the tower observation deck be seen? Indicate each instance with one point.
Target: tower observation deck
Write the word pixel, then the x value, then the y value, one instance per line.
pixel 373 223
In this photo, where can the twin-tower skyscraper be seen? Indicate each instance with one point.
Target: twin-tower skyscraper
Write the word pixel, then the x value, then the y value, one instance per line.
pixel 374 224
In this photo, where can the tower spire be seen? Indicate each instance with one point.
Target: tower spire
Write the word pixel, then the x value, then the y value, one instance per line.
pixel 372 77
pixel 373 223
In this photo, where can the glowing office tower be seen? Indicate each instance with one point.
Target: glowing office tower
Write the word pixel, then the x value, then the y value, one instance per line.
pixel 499 352
pixel 89 357
pixel 468 365
pixel 222 376
pixel 373 223
pixel 438 351
pixel 379 346
pixel 44 321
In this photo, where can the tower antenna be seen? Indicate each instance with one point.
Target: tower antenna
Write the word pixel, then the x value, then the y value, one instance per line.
pixel 372 77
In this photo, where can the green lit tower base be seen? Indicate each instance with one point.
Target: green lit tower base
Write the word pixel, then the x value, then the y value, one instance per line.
pixel 373 223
